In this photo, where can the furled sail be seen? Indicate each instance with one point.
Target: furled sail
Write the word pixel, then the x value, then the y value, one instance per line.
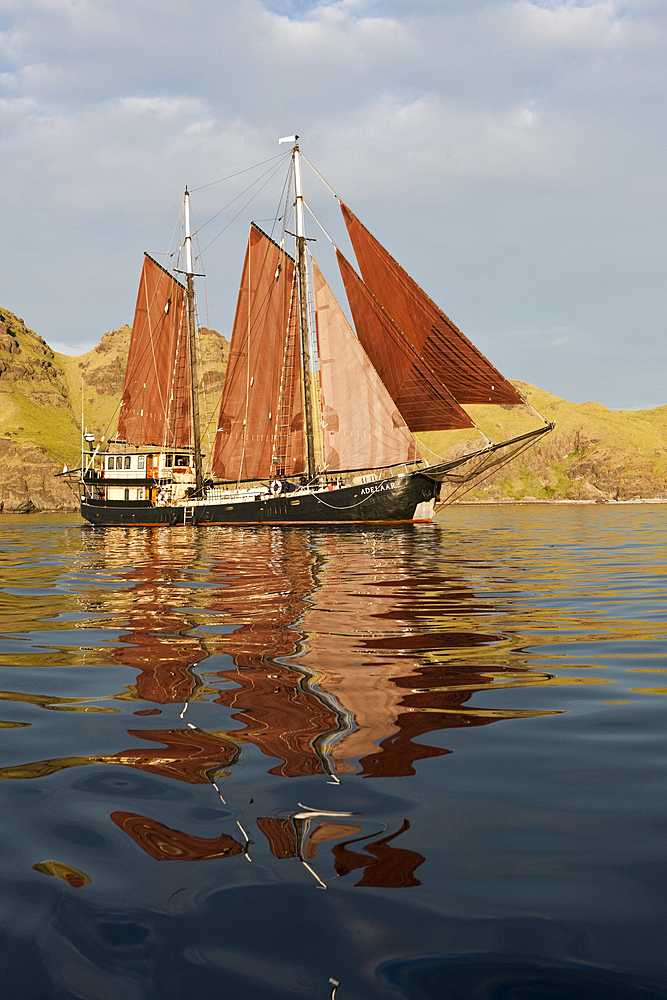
pixel 361 426
pixel 426 405
pixel 260 429
pixel 155 405
pixel 450 355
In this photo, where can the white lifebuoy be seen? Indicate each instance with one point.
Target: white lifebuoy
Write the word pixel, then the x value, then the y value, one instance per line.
pixel 275 488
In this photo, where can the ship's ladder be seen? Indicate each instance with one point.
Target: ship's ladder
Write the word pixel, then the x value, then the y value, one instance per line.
pixel 283 423
pixel 188 515
pixel 177 404
pixel 290 367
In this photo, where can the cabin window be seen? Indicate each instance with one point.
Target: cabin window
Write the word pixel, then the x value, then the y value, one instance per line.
pixel 141 462
pixel 169 461
pixel 119 462
pixel 110 463
pixel 127 494
pixel 128 461
pixel 181 461
pixel 141 493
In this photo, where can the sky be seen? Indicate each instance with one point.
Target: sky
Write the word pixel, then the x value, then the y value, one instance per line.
pixel 509 153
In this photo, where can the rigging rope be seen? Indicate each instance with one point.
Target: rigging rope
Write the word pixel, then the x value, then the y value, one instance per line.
pixel 474 481
pixel 281 155
pixel 320 225
pixel 240 194
pixel 243 207
pixel 425 447
pixel 315 170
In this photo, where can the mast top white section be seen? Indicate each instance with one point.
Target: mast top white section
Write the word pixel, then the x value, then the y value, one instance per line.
pixel 188 237
pixel 298 193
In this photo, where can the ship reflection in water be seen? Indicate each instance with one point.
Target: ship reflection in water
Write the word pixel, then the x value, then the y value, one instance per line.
pixel 274 712
pixel 333 670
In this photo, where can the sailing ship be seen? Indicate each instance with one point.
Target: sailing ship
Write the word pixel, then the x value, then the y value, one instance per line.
pixel 317 419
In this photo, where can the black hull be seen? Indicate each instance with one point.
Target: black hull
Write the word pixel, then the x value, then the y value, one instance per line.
pixel 399 499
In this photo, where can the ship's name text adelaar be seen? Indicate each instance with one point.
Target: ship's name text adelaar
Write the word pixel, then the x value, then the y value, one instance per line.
pixel 378 489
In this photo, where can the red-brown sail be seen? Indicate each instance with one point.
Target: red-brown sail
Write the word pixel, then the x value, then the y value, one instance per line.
pixel 261 415
pixel 361 427
pixel 425 404
pixel 155 406
pixel 469 376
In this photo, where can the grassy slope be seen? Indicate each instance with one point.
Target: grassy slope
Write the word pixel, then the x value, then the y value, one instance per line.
pixel 37 427
pixel 95 382
pixel 593 453
pixel 31 384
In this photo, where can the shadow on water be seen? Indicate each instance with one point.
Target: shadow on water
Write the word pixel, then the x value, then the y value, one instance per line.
pixel 274 712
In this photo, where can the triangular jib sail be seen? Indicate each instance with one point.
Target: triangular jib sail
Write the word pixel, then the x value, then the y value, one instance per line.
pixel 361 426
pixel 155 405
pixel 425 403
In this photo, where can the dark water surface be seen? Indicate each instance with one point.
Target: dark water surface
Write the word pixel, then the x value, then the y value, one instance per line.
pixel 481 699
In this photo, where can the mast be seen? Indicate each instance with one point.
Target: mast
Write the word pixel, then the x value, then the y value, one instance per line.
pixel 302 282
pixel 190 297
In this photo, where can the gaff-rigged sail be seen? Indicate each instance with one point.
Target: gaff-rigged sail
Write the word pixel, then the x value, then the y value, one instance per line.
pixel 260 429
pixel 361 426
pixel 155 405
pixel 426 405
pixel 468 375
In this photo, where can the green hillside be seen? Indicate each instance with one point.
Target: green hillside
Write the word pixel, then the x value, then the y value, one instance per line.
pixel 592 454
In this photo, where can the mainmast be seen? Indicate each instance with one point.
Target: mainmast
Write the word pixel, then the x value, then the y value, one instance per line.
pixel 302 280
pixel 190 296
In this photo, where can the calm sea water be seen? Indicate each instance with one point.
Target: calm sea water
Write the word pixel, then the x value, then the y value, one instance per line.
pixel 418 762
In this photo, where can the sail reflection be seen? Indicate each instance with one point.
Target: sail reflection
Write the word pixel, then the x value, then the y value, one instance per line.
pixel 383 865
pixel 333 667
pixel 158 643
pixel 165 844
pixel 288 838
pixel 284 712
pixel 298 644
pixel 186 755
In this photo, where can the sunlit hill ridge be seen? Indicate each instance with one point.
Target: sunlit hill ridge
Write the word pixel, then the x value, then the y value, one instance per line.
pixel 593 454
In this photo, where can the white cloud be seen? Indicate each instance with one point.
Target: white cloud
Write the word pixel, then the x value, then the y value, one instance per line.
pixel 524 140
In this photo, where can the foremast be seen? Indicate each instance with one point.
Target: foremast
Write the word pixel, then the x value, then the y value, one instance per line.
pixel 304 329
pixel 192 346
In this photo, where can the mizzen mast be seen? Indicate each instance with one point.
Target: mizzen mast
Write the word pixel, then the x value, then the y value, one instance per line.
pixel 190 297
